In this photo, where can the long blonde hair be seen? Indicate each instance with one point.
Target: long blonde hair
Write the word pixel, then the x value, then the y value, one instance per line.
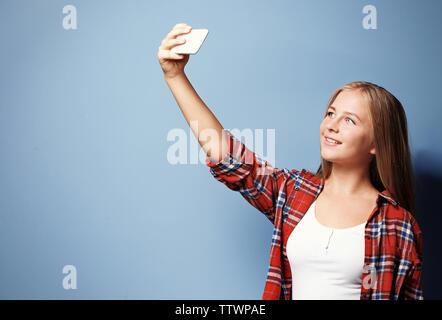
pixel 390 167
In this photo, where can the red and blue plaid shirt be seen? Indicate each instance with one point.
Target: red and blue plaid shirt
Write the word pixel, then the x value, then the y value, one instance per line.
pixel 393 239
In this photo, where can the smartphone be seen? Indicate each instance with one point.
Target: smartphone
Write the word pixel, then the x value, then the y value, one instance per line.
pixel 194 41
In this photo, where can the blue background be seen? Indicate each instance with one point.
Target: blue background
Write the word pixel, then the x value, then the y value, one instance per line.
pixel 84 117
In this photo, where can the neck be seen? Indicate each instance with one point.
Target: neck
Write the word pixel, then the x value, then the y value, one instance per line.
pixel 349 181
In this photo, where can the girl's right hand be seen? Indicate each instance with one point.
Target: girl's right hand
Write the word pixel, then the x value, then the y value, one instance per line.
pixel 173 63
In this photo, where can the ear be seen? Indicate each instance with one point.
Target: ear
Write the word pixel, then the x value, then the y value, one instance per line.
pixel 373 149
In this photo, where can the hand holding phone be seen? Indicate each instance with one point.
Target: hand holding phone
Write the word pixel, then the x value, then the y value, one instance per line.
pixel 194 40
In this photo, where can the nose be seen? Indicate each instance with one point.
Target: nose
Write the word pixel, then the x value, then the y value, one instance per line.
pixel 332 124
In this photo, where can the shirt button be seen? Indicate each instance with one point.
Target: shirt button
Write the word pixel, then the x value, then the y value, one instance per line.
pixel 297 188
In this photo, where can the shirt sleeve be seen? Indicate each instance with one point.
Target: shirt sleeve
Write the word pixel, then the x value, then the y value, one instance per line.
pixel 242 170
pixel 413 281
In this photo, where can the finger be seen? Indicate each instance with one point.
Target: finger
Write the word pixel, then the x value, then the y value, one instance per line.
pixel 182 24
pixel 172 43
pixel 167 54
pixel 176 31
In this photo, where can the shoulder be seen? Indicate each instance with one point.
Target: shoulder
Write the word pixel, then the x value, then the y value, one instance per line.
pixel 303 179
pixel 309 177
pixel 299 179
pixel 407 230
pixel 403 217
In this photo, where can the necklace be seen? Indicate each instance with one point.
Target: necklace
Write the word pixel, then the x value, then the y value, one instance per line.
pixel 328 243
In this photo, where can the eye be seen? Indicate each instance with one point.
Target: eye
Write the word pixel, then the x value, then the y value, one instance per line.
pixel 328 113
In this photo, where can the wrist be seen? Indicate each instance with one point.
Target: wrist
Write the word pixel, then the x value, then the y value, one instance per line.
pixel 175 76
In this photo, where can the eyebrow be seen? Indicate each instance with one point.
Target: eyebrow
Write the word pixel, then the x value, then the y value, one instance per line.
pixel 346 112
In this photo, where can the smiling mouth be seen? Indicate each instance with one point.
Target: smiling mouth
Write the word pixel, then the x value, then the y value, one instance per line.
pixel 331 142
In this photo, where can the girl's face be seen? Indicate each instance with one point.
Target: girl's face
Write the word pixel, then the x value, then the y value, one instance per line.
pixel 353 131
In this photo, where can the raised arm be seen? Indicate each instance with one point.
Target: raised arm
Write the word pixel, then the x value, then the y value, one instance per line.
pixel 228 158
pixel 209 131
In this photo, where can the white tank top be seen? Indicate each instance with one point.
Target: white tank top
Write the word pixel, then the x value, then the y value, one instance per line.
pixel 326 263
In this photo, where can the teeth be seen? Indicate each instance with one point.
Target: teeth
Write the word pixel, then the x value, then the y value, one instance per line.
pixel 330 140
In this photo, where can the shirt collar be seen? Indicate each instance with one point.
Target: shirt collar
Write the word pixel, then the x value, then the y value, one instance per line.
pixel 381 195
pixel 387 195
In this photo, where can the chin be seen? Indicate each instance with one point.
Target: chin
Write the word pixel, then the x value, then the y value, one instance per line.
pixel 328 158
pixel 326 155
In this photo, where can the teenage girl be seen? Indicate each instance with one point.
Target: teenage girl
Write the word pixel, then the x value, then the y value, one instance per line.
pixel 344 232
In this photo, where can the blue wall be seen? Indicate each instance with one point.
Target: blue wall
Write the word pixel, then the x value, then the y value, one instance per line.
pixel 85 114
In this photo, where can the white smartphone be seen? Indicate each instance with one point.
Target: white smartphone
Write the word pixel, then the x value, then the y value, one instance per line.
pixel 194 41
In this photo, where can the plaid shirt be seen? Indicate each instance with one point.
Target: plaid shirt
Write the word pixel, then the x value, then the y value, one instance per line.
pixel 393 240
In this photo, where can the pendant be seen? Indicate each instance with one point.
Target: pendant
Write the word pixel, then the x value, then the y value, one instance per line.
pixel 328 243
